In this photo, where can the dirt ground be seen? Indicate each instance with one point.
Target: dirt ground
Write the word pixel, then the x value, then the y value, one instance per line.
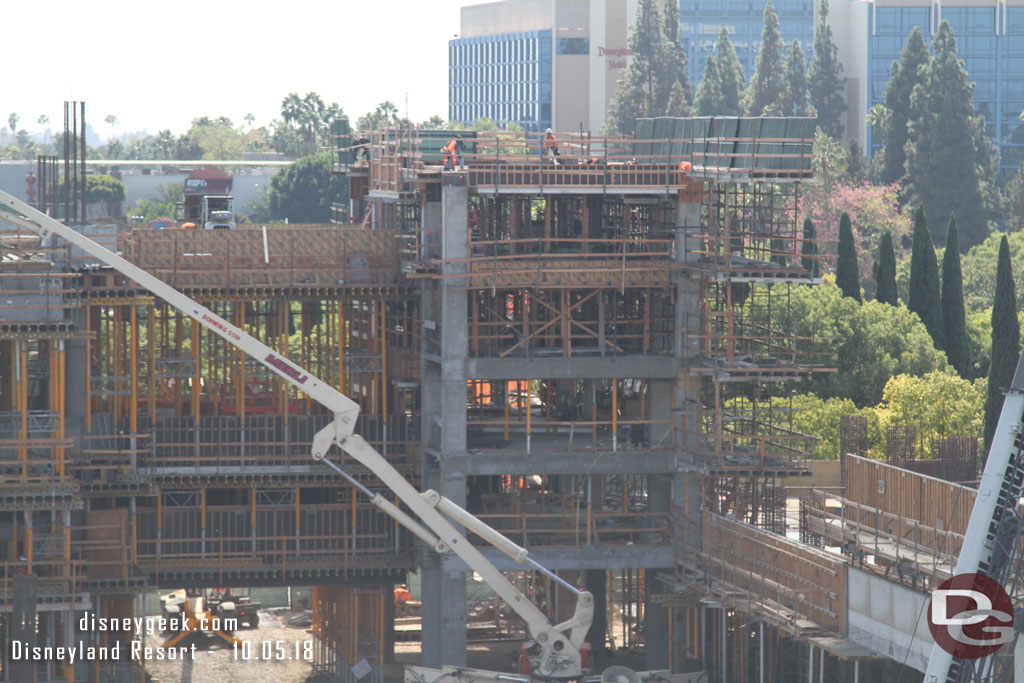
pixel 218 662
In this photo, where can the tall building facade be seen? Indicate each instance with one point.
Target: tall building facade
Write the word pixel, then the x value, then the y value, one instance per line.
pixel 701 22
pixel 538 63
pixel 990 41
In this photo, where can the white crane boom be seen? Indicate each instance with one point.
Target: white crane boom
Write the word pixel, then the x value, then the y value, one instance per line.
pixel 559 645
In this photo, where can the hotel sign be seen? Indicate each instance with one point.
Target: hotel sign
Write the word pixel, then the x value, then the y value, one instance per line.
pixel 617 56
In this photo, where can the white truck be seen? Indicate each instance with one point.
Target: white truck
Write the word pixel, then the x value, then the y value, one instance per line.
pixel 557 652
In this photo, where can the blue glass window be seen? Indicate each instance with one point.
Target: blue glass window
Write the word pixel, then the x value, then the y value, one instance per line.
pixel 1015 20
pixel 572 46
pixel 981 19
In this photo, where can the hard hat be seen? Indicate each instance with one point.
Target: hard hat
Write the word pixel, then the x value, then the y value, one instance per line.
pixel 548 130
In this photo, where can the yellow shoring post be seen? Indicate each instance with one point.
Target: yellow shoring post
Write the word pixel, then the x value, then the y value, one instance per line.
pixel 23 406
pixel 133 407
pixel 151 355
pixel 196 373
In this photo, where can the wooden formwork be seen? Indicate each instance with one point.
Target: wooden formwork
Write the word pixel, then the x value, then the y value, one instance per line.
pixel 284 257
pixel 933 502
pixel 809 582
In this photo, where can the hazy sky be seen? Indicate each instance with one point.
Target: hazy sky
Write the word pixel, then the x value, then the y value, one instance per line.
pixel 159 65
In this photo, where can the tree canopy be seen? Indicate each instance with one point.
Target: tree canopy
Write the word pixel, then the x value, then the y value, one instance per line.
pixel 903 76
pixel 824 77
pixel 885 272
pixel 794 87
pixel 659 62
pixel 954 321
pixel 923 297
pixel 766 87
pixel 304 191
pixel 867 342
pixel 847 271
pixel 945 164
pixel 1005 340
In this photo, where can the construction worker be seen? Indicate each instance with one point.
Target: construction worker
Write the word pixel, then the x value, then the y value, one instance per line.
pixel 402 598
pixel 460 152
pixel 449 154
pixel 550 144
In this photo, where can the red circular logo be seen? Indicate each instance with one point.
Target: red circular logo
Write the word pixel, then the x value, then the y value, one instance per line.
pixel 970 616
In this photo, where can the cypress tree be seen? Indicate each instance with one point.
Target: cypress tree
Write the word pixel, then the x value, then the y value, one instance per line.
pixel 847 275
pixel 639 88
pixel 731 75
pixel 809 249
pixel 924 280
pixel 856 162
pixel 824 81
pixel 766 83
pixel 944 164
pixel 885 271
pixel 1005 341
pixel 677 105
pixel 958 344
pixel 675 62
pixel 794 94
pixel 903 76
pixel 708 100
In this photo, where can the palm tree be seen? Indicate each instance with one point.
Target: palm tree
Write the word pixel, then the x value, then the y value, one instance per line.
pixel 111 121
pixel 250 119
pixel 12 121
pixel 291 108
pixel 165 141
pixel 44 121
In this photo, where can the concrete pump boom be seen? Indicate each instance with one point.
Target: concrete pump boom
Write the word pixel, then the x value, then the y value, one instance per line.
pixel 559 645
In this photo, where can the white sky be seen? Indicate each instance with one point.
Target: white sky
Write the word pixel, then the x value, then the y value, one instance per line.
pixel 158 65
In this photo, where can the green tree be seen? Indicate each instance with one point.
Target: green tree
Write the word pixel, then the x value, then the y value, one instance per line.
pixel 885 272
pixel 938 404
pixel 163 204
pixel 216 138
pixel 708 100
pixel 165 141
pixel 675 64
pixel 944 167
pixel 923 296
pixel 847 272
pixel 1013 201
pixel 731 76
pixel 903 77
pixel 677 105
pixel 766 84
pixel 111 121
pixel 794 88
pixel 304 191
pixel 44 121
pixel 824 81
pixel 1005 341
pixel 659 60
pixel 12 122
pixel 979 266
pixel 867 342
pixel 958 344
pixel 809 249
pixel 856 162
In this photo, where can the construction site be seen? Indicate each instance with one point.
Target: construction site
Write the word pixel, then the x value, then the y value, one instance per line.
pixel 583 351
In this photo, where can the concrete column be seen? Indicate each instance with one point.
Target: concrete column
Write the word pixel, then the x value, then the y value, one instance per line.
pixel 655 626
pixel 444 592
pixel 74 362
pixel 659 407
pixel 659 492
pixel 686 485
pixel 679 636
pixel 596 581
